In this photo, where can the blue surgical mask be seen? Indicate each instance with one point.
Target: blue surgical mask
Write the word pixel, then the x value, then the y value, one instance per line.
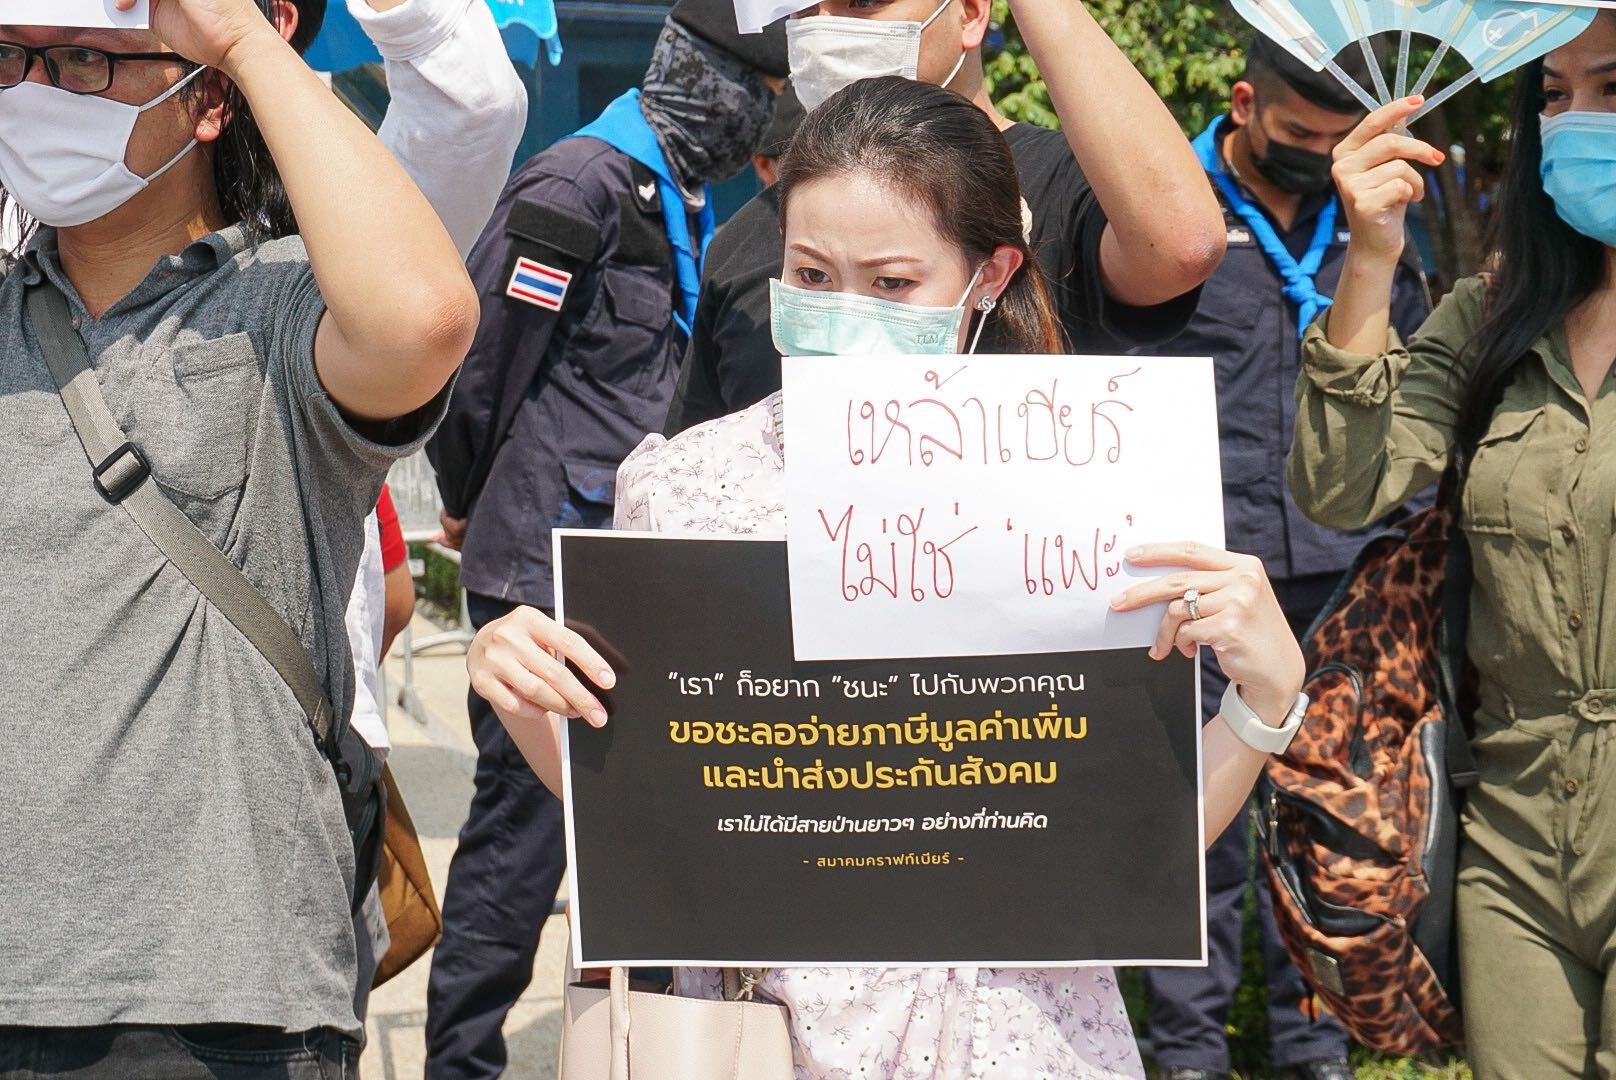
pixel 1579 171
pixel 807 322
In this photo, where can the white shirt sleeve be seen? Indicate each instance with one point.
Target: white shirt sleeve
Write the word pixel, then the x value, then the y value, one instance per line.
pixel 458 107
pixel 364 619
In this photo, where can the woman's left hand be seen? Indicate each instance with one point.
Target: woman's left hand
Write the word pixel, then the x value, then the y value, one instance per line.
pixel 1240 621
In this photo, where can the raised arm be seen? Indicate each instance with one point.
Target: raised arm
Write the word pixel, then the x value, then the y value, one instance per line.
pixel 1165 232
pixel 1375 419
pixel 457 107
pixel 400 309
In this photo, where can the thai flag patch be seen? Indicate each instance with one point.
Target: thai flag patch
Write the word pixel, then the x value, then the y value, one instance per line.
pixel 534 283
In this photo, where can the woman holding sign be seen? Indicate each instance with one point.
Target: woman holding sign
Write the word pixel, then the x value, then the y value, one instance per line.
pixel 1514 382
pixel 903 233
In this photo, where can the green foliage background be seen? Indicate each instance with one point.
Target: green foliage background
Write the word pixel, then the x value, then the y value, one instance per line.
pixel 1192 53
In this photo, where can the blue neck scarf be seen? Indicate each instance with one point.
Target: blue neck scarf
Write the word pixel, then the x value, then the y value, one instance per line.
pixel 1298 276
pixel 623 127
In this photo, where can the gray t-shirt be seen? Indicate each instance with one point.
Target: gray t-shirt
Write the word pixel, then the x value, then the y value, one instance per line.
pixel 172 844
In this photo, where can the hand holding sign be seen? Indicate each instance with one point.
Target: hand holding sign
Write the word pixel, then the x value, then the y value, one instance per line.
pixel 207 32
pixel 1237 616
pixel 518 665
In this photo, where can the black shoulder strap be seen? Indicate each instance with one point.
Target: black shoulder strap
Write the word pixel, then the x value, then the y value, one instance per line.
pixel 120 473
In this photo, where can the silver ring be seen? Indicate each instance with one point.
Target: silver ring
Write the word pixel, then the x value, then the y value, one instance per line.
pixel 1192 600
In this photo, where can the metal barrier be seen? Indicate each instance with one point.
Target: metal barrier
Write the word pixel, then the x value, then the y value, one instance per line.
pixel 414 485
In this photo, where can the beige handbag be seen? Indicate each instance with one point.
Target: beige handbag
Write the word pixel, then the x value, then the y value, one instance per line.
pixel 613 1032
pixel 414 923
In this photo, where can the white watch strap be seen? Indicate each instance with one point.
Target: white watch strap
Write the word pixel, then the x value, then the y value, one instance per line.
pixel 1251 729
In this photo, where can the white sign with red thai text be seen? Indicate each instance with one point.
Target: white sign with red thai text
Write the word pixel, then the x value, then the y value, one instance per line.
pixel 99 13
pixel 976 505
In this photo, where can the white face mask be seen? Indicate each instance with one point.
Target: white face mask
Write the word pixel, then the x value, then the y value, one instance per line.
pixel 61 154
pixel 828 52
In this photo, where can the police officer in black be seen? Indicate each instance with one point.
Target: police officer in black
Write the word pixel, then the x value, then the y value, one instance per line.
pixel 1269 161
pixel 588 272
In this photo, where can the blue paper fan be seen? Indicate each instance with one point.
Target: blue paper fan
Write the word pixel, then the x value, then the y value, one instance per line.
pixel 1494 36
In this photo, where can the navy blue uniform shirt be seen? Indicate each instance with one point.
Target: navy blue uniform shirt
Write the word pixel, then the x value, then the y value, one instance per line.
pixel 574 362
pixel 1249 329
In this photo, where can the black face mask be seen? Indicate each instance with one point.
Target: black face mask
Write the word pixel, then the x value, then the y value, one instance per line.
pixel 1291 169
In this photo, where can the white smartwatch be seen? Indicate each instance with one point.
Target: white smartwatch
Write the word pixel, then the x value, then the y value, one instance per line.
pixel 1251 729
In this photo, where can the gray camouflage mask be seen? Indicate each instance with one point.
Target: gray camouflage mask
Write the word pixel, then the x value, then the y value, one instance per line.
pixel 709 110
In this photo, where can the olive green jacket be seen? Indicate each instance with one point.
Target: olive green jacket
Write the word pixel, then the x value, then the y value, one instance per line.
pixel 1537 509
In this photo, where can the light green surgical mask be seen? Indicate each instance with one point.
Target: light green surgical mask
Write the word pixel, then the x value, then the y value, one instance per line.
pixel 806 322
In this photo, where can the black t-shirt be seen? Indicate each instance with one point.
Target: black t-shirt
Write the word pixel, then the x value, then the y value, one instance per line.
pixel 732 363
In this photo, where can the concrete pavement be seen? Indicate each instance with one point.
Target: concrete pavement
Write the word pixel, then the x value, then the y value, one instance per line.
pixel 433 763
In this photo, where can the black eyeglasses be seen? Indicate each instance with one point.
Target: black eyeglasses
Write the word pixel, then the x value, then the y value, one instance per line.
pixel 77 69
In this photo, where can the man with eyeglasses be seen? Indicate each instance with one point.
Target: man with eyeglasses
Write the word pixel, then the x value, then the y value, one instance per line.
pixel 87 71
pixel 178 874
pixel 456 113
pixel 456 110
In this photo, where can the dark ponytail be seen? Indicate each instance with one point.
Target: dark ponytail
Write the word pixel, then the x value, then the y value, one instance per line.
pixel 936 146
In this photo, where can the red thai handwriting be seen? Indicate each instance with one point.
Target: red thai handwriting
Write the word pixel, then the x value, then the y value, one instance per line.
pixel 1064 563
pixel 1043 423
pixel 894 555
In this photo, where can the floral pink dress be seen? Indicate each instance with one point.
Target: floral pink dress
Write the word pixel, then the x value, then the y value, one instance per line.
pixel 728 477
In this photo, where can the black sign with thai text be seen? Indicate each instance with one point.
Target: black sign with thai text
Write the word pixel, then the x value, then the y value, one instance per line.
pixel 743 808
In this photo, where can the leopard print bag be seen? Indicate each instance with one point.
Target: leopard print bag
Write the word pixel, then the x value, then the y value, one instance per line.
pixel 1358 821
